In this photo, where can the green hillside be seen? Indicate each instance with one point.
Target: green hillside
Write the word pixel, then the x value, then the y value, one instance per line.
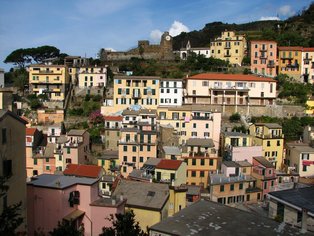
pixel 295 31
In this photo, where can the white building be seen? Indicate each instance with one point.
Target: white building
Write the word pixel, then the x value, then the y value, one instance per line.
pixel 93 76
pixel 1 78
pixel 54 132
pixel 170 92
pixel 185 52
pixel 308 65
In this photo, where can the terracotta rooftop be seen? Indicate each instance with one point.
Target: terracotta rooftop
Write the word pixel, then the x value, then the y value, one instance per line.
pixel 90 171
pixel 229 77
pixel 30 131
pixel 113 118
pixel 169 164
pixel 308 49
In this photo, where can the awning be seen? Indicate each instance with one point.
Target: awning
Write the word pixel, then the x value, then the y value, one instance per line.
pixel 74 215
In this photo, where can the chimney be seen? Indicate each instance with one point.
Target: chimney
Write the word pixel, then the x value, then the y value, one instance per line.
pixel 304 221
pixel 113 201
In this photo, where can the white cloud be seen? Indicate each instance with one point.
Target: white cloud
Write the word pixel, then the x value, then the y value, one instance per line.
pixel 286 10
pixel 177 27
pixel 110 49
pixel 155 35
pixel 269 18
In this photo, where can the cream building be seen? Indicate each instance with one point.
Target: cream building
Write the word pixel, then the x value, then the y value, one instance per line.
pixel 191 121
pixel 308 65
pixel 230 90
pixel 92 76
pixel 229 47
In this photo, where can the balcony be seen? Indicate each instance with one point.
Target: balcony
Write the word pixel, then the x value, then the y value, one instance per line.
pixel 263 56
pixel 307 59
pixel 46 72
pixel 227 46
pixel 270 65
pixel 122 141
pixel 293 65
pixel 227 55
pixel 136 95
pixel 270 136
pixel 263 49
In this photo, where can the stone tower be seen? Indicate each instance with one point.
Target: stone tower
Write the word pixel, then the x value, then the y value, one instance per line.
pixel 166 52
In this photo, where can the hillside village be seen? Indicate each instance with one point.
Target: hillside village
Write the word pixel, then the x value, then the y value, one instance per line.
pixel 85 139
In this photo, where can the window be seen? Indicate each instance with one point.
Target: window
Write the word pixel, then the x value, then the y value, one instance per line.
pixel 194 125
pixel 304 168
pixel 202 162
pixel 47 167
pixel 4 135
pixel 125 148
pixel 211 162
pixel 133 148
pixel 231 187
pixel 268 143
pixel 241 186
pixel 202 174
pixel 124 169
pixel 68 150
pixel 148 148
pixel 193 162
pixel 47 159
pixel 175 101
pixel 172 176
pixel 35 161
pixel 133 159
pixel 265 185
pixel 194 134
pixel 222 188
pixel 176 91
pixel 193 173
pixel 207 126
pixel 125 158
pixel 141 159
pixel 7 168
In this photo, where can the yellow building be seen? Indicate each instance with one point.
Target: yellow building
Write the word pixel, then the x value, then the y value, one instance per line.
pixel 310 106
pixel 138 139
pixel 271 138
pixel 229 47
pixel 13 164
pixel 135 90
pixel 149 201
pixel 177 199
pixel 230 190
pixel 171 171
pixel 201 159
pixel 52 80
pixel 290 61
pixel 109 161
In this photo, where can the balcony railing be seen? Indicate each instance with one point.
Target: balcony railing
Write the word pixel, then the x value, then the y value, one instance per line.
pixel 270 65
pixel 227 55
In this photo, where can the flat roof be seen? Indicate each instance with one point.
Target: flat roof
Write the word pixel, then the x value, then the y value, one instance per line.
pixel 59 181
pixel 171 150
pixel 215 219
pixel 76 132
pixel 143 195
pixel 269 125
pixel 200 142
pixel 300 197
pixel 230 77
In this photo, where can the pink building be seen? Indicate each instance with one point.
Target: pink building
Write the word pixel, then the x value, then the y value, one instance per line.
pixel 53 198
pixel 264 57
pixel 265 174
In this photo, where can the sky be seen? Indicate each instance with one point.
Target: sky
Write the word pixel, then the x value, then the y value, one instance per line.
pixel 82 27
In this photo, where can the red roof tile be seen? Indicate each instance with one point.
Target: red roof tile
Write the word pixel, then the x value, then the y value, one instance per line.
pixel 230 77
pixel 308 49
pixel 113 118
pixel 30 131
pixel 90 171
pixel 169 164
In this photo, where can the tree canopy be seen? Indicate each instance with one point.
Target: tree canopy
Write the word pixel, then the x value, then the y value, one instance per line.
pixel 24 56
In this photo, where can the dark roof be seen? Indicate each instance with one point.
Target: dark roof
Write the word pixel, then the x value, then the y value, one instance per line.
pixel 76 132
pixel 4 113
pixel 231 164
pixel 263 161
pixel 214 219
pixel 200 142
pixel 299 197
pixel 269 125
pixel 143 195
pixel 229 77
